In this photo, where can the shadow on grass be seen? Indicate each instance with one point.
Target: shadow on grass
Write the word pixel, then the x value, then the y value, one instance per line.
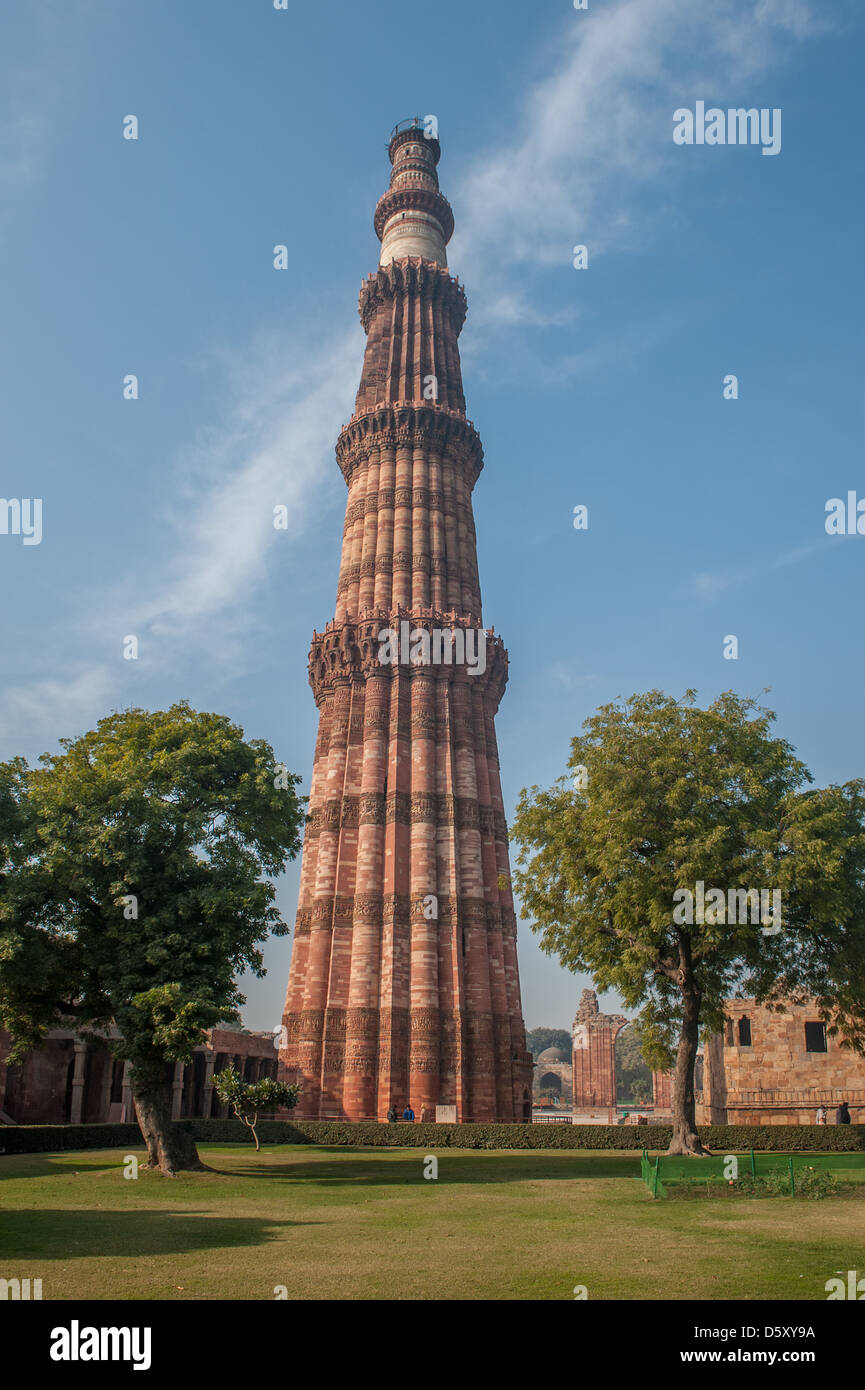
pixel 60 1164
pixel 52 1234
pixel 350 1168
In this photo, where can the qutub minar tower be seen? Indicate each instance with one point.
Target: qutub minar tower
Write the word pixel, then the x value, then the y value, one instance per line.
pixel 404 984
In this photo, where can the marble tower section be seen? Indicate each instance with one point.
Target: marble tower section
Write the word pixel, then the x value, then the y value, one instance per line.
pixel 404 984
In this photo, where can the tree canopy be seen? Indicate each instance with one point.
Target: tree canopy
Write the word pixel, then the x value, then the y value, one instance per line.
pixel 135 885
pixel 666 804
pixel 539 1039
pixel 249 1099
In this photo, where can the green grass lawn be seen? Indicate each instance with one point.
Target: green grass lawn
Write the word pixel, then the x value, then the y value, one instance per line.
pixel 364 1223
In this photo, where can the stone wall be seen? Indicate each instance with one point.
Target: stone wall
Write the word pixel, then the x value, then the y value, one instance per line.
pixel 67 1081
pixel 762 1069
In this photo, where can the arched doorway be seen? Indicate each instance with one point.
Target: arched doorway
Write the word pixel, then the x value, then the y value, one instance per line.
pixel 633 1075
pixel 550 1087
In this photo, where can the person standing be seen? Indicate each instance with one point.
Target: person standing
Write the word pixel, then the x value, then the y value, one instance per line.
pixel 392 1115
pixel 821 1115
pixel 842 1114
pixel 408 1113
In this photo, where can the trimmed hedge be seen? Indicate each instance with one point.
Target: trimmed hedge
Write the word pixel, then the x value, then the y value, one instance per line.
pixel 784 1138
pixel 371 1134
pixel 30 1139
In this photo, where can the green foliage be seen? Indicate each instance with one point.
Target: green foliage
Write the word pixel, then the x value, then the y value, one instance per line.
pixel 636 1090
pixel 675 794
pixel 633 1076
pixel 812 1184
pixel 253 1097
pixel 821 871
pixel 539 1039
pixel 722 1139
pixel 249 1099
pixel 775 1183
pixel 815 1183
pixel 34 1139
pixel 134 880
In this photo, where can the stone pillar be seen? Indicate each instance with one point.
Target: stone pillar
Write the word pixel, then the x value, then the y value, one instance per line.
pixel 77 1104
pixel 363 856
pixel 105 1089
pixel 714 1082
pixel 5 1042
pixel 662 1089
pixel 207 1088
pixel 424 1028
pixel 177 1091
pixel 127 1107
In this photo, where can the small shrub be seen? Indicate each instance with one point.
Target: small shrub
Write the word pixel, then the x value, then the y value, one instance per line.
pixel 812 1183
pixel 248 1099
pixel 816 1183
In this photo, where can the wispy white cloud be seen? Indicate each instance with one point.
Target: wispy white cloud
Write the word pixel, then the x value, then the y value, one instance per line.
pixel 40 709
pixel 710 584
pixel 571 679
pixel 284 407
pixel 23 134
pixel 609 352
pixel 41 64
pixel 581 159
pixel 273 447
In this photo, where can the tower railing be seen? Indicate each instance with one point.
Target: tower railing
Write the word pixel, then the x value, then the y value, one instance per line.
pixel 410 123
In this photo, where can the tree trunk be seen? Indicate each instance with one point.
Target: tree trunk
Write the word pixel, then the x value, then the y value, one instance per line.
pixel 685 1138
pixel 250 1124
pixel 169 1148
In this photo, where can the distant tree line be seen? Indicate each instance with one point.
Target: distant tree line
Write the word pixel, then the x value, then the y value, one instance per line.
pixel 539 1039
pixel 633 1076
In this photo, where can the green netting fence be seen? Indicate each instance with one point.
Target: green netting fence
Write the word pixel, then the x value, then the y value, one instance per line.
pixel 666 1170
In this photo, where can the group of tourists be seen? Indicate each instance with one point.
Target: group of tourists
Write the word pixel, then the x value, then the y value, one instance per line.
pixel 409 1116
pixel 842 1115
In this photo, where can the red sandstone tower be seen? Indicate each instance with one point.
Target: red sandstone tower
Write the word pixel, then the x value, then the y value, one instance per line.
pixel 404 983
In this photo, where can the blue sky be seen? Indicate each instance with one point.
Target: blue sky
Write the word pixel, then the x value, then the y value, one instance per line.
pixel 600 387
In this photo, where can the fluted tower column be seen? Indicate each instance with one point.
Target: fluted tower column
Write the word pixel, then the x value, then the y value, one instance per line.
pixel 404 984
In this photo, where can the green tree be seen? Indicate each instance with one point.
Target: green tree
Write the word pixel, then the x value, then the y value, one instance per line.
pixel 134 887
pixel 640 1090
pixel 672 796
pixel 633 1075
pixel 539 1039
pixel 249 1099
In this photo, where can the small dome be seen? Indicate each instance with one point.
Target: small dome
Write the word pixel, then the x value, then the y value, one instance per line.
pixel 552 1056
